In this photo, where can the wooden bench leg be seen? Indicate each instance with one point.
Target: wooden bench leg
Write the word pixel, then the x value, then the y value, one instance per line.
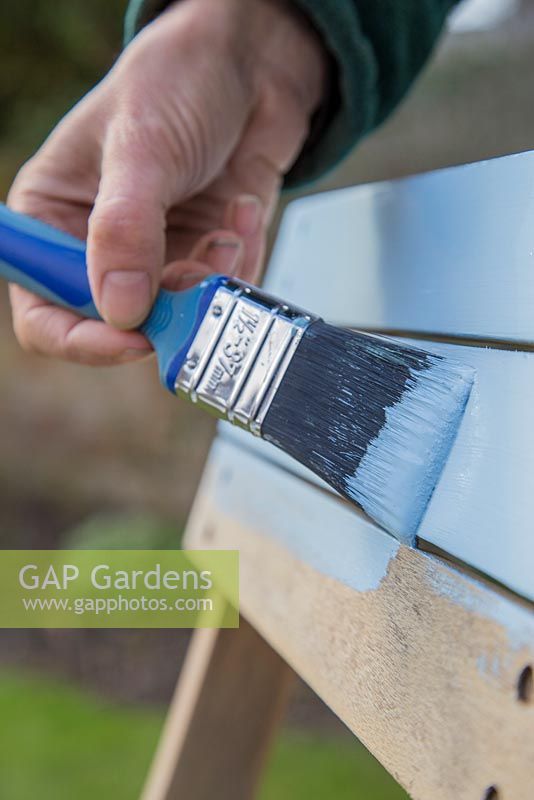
pixel 230 695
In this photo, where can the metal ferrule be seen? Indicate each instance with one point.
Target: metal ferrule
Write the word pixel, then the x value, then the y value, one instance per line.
pixel 240 354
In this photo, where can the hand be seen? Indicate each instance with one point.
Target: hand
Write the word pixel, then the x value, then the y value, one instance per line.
pixel 171 166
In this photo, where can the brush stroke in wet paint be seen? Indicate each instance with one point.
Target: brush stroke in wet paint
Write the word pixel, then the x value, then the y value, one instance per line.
pixel 372 417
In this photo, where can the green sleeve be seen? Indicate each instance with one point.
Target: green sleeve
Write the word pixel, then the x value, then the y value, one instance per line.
pixel 378 47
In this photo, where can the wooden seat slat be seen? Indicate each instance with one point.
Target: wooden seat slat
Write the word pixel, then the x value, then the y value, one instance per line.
pixel 421 661
pixel 450 252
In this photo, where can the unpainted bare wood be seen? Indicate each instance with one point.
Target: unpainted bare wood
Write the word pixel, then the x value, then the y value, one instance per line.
pixel 423 662
pixel 229 697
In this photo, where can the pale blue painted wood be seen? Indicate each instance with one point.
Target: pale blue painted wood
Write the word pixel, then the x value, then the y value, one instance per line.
pixel 482 510
pixel 449 252
pixel 315 528
pixel 336 541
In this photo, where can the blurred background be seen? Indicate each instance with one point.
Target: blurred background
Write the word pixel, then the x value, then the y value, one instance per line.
pixel 105 458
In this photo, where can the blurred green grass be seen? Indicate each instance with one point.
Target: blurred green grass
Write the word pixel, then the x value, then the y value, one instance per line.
pixel 58 742
pixel 311 766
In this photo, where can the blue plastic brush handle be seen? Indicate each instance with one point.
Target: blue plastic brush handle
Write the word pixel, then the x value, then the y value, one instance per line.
pixel 52 264
pixel 45 261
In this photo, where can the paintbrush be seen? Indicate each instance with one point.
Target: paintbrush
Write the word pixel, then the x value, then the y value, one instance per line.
pixel 372 417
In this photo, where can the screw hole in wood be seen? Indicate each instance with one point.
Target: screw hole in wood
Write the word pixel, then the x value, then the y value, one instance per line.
pixel 525 685
pixel 491 793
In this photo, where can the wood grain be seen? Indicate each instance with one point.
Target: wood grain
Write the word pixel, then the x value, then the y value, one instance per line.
pixel 229 698
pixel 450 252
pixel 421 662
pixel 430 667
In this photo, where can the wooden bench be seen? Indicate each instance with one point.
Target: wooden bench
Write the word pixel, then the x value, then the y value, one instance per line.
pixel 424 649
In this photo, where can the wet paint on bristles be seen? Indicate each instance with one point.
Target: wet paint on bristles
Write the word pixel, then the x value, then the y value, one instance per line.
pixel 374 418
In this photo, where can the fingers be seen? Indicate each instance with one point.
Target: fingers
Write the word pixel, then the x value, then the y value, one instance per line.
pixel 49 330
pixel 221 251
pixel 126 236
pixel 239 248
pixel 246 216
pixel 216 252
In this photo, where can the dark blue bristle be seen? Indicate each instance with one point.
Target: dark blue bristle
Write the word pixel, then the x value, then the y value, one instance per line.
pixel 372 417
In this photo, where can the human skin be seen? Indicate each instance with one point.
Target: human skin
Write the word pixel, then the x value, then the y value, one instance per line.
pixel 171 166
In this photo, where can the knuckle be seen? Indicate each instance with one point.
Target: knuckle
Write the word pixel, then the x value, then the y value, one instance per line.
pixel 23 195
pixel 23 333
pixel 157 139
pixel 118 225
pixel 35 329
pixel 138 127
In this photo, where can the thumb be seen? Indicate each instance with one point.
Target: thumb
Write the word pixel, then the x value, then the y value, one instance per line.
pixel 126 234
